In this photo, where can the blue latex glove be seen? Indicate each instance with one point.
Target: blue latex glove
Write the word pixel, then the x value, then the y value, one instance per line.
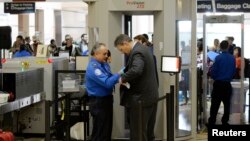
pixel 121 71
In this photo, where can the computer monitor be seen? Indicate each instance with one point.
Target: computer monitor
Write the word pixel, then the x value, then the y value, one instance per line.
pixel 63 53
pixel 170 64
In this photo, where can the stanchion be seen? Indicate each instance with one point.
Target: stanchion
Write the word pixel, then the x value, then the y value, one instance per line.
pixel 170 114
pixel 47 121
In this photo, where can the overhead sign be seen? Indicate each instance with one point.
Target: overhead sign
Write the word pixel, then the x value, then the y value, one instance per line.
pixel 19 8
pixel 204 6
pixel 27 0
pixel 223 6
pixel 136 5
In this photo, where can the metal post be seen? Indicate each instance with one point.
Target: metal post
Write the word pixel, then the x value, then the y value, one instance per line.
pixel 85 119
pixel 170 114
pixel 47 120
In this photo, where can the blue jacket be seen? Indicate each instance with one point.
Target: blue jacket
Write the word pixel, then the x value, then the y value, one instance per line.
pixel 99 79
pixel 22 53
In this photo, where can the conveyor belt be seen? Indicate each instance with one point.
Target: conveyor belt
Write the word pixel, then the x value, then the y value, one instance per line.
pixel 21 103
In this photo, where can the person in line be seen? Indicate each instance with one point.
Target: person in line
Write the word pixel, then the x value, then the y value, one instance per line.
pixel 148 43
pixel 53 50
pixel 237 56
pixel 184 81
pixel 16 46
pixel 84 45
pixel 73 49
pixel 28 46
pixel 222 72
pixel 35 44
pixel 200 53
pixel 141 39
pixel 22 52
pixel 140 74
pixel 231 47
pixel 217 45
pixel 99 85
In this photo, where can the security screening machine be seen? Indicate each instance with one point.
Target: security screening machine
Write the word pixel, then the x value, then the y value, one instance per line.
pixel 37 112
pixel 220 27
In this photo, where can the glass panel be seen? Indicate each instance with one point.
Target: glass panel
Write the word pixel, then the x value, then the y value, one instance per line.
pixel 247 55
pixel 247 42
pixel 184 96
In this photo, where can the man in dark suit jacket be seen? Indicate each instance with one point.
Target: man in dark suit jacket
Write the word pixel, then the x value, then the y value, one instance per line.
pixel 140 75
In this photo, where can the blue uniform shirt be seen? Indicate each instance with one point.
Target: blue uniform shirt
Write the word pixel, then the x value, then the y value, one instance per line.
pixel 99 79
pixel 224 67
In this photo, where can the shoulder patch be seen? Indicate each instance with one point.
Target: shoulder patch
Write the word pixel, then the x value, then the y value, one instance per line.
pixel 98 72
pixel 94 65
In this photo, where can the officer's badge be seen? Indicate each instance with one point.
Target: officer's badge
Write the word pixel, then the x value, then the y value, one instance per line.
pixel 98 72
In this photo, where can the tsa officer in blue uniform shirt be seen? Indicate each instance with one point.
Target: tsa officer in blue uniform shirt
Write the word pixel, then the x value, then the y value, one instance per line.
pixel 99 85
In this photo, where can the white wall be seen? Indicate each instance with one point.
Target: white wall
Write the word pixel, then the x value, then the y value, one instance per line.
pixel 71 23
pixel 143 24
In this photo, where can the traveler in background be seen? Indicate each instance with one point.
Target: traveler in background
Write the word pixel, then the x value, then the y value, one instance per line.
pixel 84 45
pixel 22 52
pixel 17 43
pixel 109 59
pixel 28 46
pixel 141 39
pixel 222 72
pixel 148 43
pixel 237 56
pixel 99 85
pixel 200 53
pixel 73 49
pixel 217 45
pixel 231 47
pixel 35 44
pixel 140 75
pixel 53 50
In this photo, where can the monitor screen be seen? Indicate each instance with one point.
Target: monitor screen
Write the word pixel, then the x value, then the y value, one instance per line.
pixel 64 54
pixel 170 64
